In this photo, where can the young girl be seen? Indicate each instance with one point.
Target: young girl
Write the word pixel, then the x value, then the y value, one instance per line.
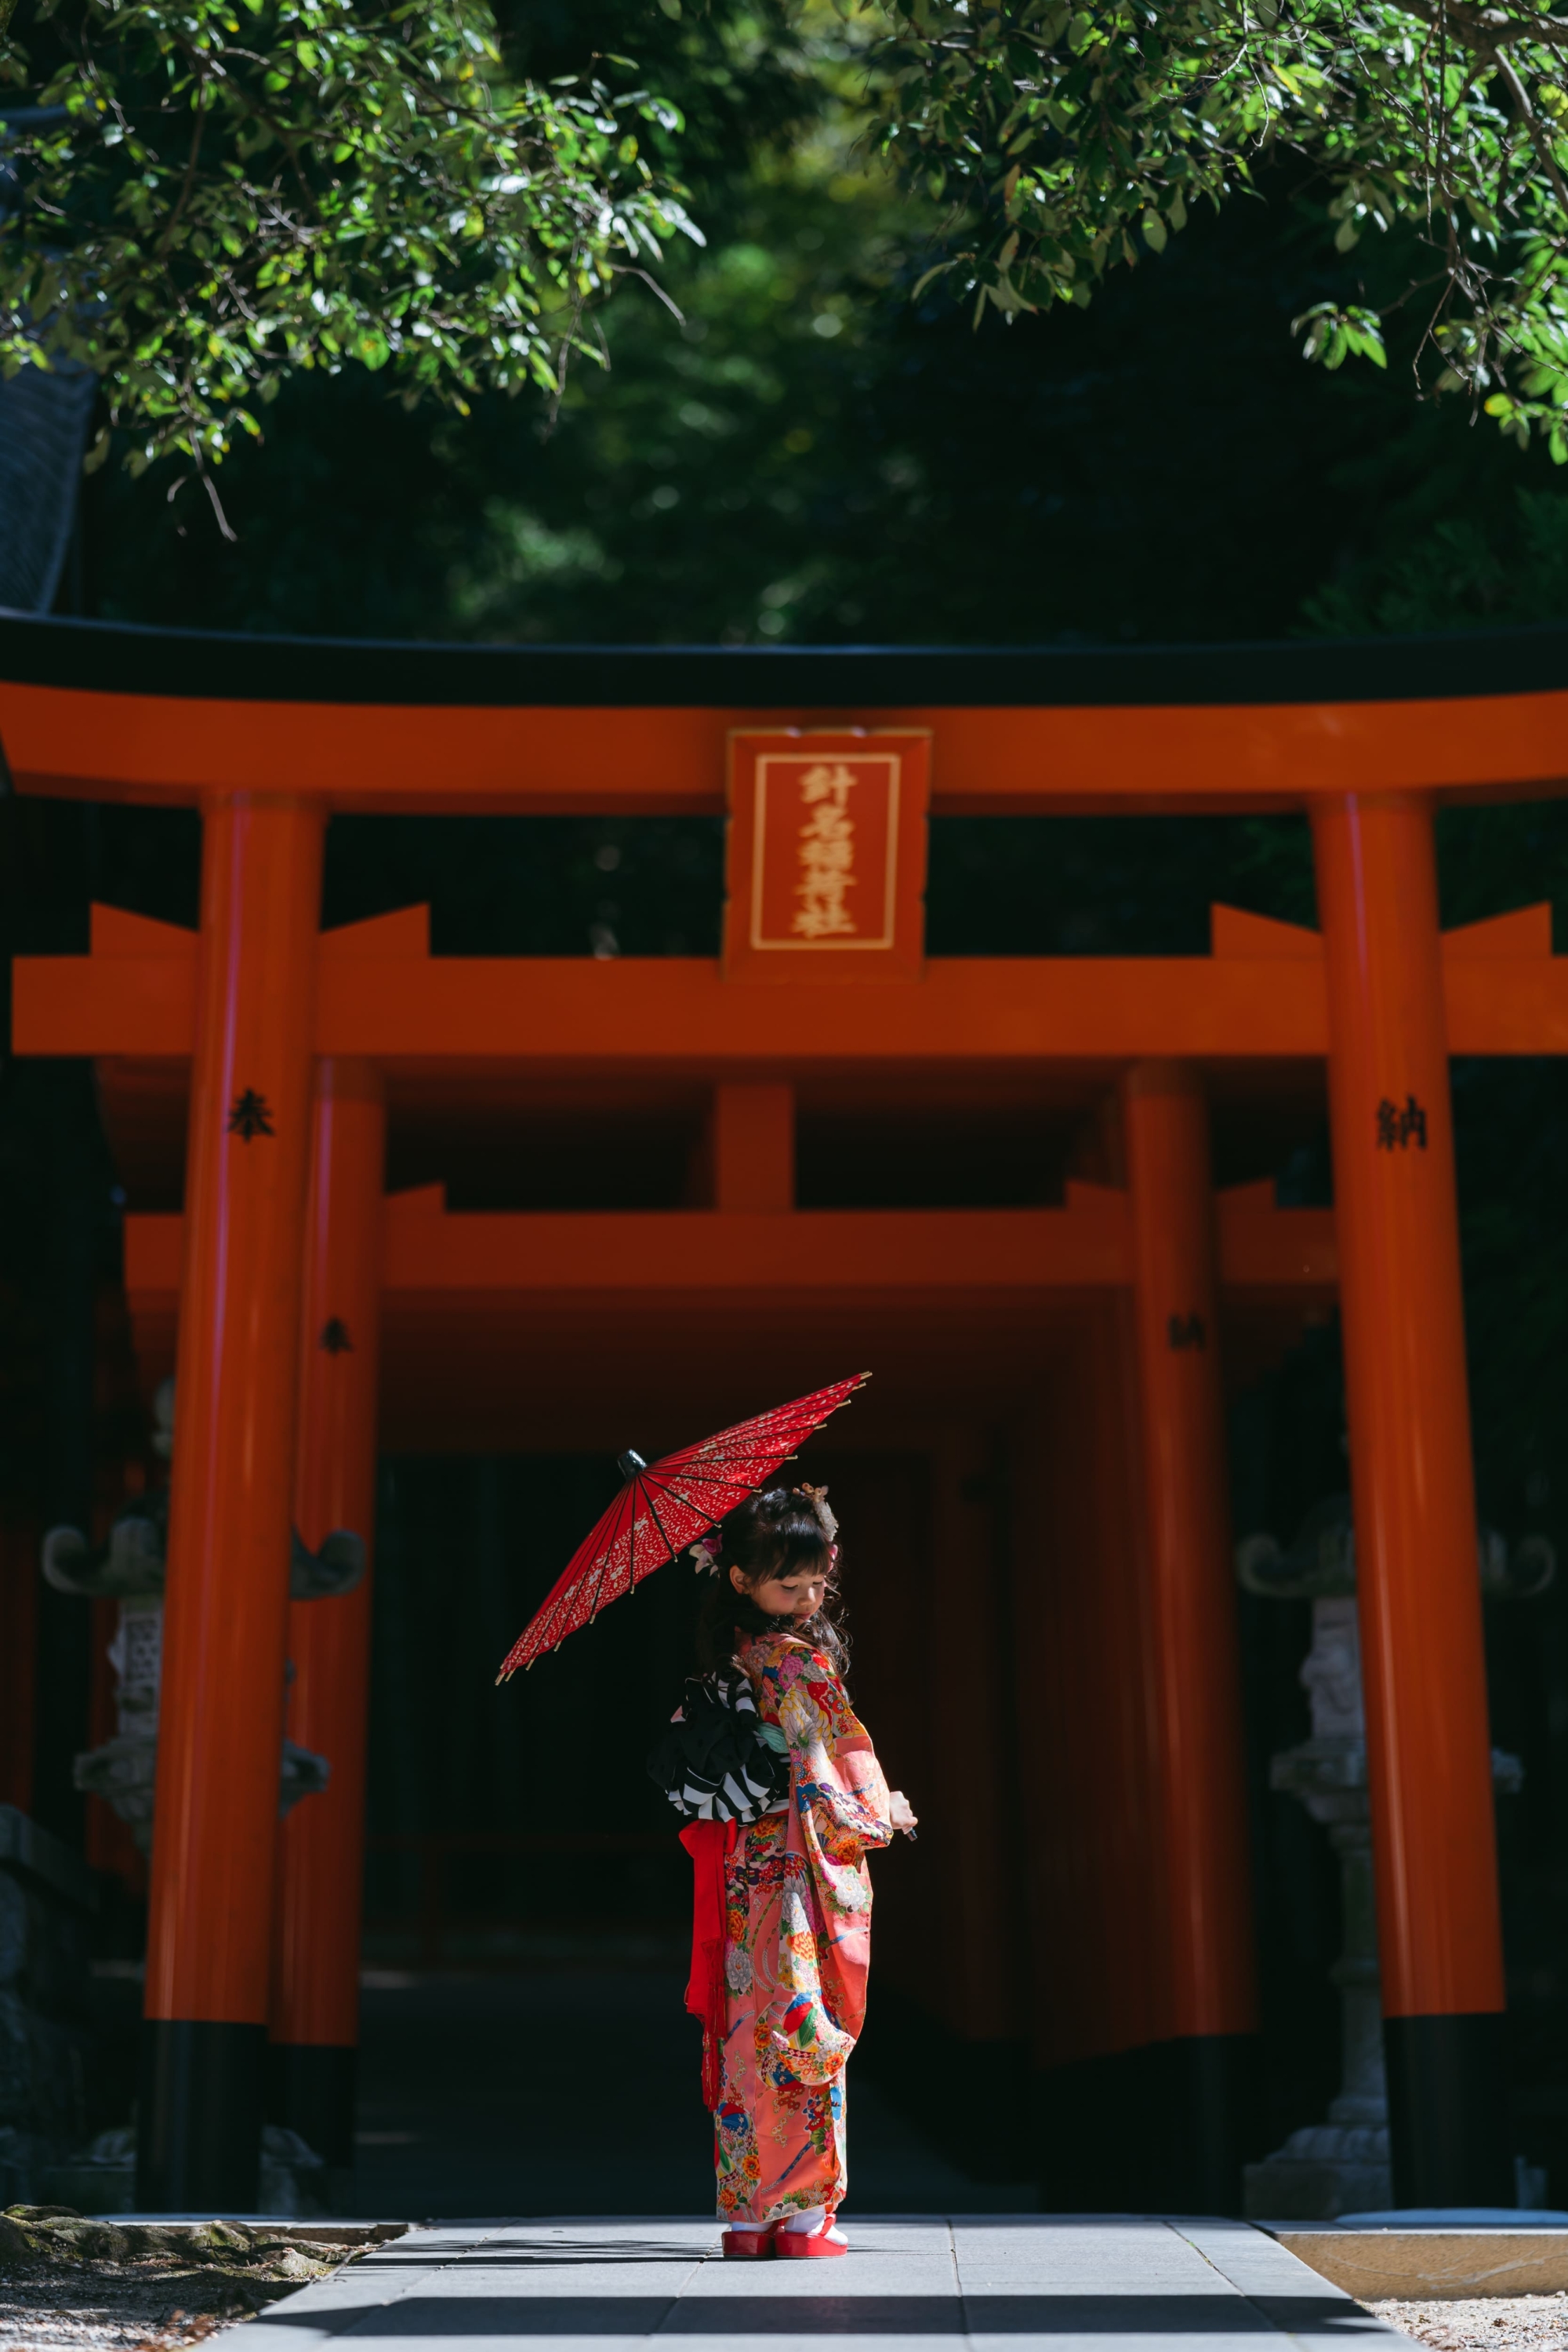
pixel 797 1892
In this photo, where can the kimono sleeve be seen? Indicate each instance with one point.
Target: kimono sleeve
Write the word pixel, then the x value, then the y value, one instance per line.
pixel 837 1779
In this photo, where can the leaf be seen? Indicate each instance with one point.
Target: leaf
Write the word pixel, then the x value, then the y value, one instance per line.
pixel 939 269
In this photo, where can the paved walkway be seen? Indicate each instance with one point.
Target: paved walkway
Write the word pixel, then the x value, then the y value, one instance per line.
pixel 1113 2285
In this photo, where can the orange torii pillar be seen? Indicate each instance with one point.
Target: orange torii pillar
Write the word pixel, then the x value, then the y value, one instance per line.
pixel 1429 1745
pixel 221 1723
pixel 315 1982
pixel 1192 1652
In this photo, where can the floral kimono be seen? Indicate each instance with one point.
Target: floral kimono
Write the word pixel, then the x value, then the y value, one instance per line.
pixel 797 1946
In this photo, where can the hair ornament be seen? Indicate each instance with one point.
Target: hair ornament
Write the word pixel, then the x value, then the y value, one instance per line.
pixel 705 1557
pixel 817 1497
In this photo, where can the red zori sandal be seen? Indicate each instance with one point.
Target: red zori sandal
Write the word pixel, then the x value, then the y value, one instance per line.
pixel 749 2244
pixel 802 2244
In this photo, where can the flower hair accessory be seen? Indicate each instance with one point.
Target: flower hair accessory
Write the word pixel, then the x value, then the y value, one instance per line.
pixel 704 1556
pixel 817 1497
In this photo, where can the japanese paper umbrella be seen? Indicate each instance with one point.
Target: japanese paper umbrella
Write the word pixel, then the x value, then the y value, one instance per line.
pixel 665 1506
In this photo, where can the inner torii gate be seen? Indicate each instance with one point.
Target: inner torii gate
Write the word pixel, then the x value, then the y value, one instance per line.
pixel 292 1048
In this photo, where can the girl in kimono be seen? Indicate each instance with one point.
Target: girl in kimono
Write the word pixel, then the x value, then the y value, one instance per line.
pixel 796 1890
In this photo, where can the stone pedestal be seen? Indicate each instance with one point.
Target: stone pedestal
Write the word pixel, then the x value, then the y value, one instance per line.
pixel 1340 2166
pixel 47 1898
pixel 123 1770
pixel 129 1569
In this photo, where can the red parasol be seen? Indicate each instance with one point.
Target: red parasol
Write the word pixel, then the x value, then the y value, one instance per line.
pixel 667 1505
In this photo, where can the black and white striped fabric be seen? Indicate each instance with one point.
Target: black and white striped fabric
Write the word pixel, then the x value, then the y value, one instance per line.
pixel 716 1763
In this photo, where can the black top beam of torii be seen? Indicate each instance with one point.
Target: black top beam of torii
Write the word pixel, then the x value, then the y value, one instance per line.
pixel 130 658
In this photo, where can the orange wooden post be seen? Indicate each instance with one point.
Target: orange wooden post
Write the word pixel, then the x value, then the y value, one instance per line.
pixel 315 1985
pixel 221 1725
pixel 1429 1745
pixel 753 1146
pixel 1193 1651
pixel 1089 1850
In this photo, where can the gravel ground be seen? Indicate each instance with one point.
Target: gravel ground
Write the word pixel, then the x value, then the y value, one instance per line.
pixel 98 2286
pixel 1484 2323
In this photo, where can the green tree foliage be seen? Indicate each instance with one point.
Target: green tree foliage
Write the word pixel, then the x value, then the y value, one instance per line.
pixel 216 193
pixel 812 455
pixel 1071 139
pixel 1476 568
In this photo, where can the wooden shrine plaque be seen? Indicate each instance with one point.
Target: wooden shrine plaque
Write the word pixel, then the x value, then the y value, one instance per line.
pixel 826 856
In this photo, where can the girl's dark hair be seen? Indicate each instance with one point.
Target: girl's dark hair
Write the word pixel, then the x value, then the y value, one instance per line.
pixel 773 1534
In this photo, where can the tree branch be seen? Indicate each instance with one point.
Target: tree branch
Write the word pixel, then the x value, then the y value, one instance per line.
pixel 1484 30
pixel 186 184
pixel 1540 139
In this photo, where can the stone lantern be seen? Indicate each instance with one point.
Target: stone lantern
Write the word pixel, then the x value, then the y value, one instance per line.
pixel 129 1569
pixel 1341 2165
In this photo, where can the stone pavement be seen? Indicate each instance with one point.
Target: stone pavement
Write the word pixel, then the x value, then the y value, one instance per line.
pixel 1076 2284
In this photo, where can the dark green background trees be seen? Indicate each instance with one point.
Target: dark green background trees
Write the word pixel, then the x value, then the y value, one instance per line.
pixel 815 456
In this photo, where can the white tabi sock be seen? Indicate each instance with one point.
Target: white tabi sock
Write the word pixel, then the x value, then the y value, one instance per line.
pixel 811 2221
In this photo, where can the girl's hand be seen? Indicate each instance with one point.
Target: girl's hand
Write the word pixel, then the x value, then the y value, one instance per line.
pixel 898 1812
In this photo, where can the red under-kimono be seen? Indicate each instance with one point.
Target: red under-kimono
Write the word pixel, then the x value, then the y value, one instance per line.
pixel 797 1946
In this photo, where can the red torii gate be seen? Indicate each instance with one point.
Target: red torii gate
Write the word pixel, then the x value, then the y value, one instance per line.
pixel 294 1038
